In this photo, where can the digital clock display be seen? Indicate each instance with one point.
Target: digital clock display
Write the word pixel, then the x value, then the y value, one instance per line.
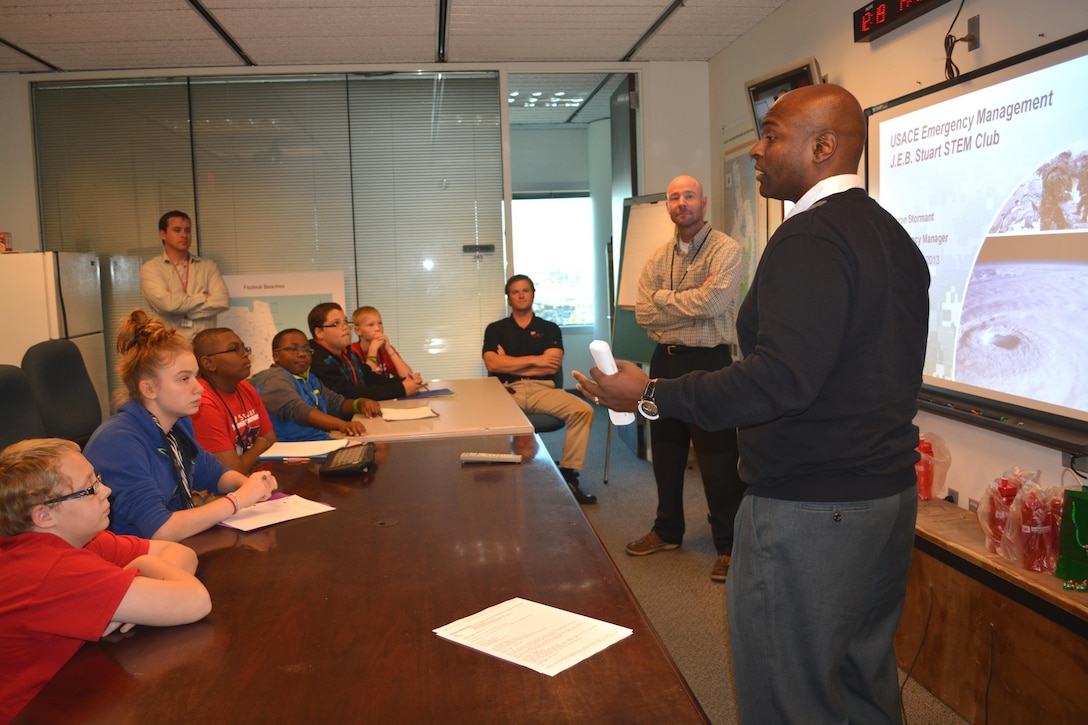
pixel 878 18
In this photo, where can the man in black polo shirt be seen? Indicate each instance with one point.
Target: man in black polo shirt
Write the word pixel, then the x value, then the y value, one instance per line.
pixel 525 352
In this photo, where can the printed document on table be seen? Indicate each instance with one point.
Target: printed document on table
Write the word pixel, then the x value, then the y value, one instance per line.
pixel 534 635
pixel 418 413
pixel 273 511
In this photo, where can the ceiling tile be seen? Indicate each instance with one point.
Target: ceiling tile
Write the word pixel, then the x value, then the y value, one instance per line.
pixel 701 28
pixel 92 35
pixel 89 35
pixel 564 30
pixel 308 32
pixel 12 61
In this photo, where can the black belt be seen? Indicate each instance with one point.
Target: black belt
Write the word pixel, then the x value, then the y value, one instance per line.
pixel 685 349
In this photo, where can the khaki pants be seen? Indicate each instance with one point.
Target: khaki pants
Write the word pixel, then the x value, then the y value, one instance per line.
pixel 541 396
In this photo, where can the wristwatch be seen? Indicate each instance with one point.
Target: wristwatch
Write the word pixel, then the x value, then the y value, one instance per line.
pixel 647 406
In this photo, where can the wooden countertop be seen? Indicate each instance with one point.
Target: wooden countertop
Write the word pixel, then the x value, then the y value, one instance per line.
pixel 956 530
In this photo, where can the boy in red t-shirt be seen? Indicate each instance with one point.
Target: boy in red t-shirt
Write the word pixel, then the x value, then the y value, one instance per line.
pixel 375 348
pixel 232 423
pixel 65 579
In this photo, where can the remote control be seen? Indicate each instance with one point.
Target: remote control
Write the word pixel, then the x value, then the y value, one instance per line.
pixel 602 355
pixel 490 458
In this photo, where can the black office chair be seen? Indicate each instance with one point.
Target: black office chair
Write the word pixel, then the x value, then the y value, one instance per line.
pixel 63 389
pixel 544 422
pixel 19 416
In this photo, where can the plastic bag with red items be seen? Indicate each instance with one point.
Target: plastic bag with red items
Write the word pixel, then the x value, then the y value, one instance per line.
pixel 996 500
pixel 932 466
pixel 1031 535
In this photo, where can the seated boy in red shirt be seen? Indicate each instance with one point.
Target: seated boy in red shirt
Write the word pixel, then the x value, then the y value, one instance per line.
pixel 65 579
pixel 374 347
pixel 232 423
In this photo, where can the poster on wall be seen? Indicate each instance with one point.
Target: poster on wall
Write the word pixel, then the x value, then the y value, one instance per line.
pixel 263 304
pixel 742 209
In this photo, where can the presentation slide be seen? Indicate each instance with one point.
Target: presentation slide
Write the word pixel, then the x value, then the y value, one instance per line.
pixel 992 184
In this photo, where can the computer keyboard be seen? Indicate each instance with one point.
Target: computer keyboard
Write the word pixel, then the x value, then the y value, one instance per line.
pixel 353 460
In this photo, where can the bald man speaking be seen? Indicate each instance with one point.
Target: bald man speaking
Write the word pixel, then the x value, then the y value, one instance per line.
pixel 833 336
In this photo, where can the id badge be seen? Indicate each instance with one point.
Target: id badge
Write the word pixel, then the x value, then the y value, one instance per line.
pixel 186 322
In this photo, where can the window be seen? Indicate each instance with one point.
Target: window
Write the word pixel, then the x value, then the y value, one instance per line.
pixel 553 243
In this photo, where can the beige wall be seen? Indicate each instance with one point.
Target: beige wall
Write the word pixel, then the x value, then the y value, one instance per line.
pixel 18 187
pixel 675 102
pixel 905 60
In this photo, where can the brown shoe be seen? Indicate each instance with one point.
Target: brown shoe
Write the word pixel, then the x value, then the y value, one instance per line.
pixel 651 543
pixel 721 568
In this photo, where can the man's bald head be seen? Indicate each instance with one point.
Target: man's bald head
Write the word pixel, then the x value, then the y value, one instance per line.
pixel 809 134
pixel 687 206
pixel 830 107
pixel 687 182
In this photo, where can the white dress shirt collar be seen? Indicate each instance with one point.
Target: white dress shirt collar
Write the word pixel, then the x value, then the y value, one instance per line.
pixel 825 188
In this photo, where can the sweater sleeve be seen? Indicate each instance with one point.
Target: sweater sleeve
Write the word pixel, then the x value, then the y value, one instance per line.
pixel 281 398
pixel 801 304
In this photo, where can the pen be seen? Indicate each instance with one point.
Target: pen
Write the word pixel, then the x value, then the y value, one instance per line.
pixel 296 460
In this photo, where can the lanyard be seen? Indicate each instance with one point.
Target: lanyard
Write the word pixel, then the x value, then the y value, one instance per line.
pixel 182 489
pixel 672 260
pixel 184 282
pixel 239 440
pixel 345 363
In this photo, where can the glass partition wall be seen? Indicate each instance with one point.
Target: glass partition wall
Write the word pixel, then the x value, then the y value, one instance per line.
pixel 382 177
pixel 385 178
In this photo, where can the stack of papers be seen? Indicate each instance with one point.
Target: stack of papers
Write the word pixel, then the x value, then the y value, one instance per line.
pixel 533 635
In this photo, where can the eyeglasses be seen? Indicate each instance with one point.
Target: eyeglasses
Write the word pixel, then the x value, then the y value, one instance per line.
pixel 295 350
pixel 338 323
pixel 237 350
pixel 77 494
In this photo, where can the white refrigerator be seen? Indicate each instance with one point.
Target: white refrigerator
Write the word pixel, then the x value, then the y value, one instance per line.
pixel 51 296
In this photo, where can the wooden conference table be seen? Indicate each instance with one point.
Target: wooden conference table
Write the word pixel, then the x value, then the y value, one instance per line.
pixel 478 406
pixel 329 619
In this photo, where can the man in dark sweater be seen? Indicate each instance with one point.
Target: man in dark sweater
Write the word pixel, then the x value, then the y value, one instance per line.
pixel 833 334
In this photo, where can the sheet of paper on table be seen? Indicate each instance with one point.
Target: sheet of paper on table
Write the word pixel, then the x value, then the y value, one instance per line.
pixel 273 511
pixel 533 635
pixel 418 413
pixel 302 449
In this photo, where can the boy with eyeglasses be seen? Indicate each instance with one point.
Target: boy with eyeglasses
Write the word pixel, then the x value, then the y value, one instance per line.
pixel 301 406
pixel 65 579
pixel 340 368
pixel 232 423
